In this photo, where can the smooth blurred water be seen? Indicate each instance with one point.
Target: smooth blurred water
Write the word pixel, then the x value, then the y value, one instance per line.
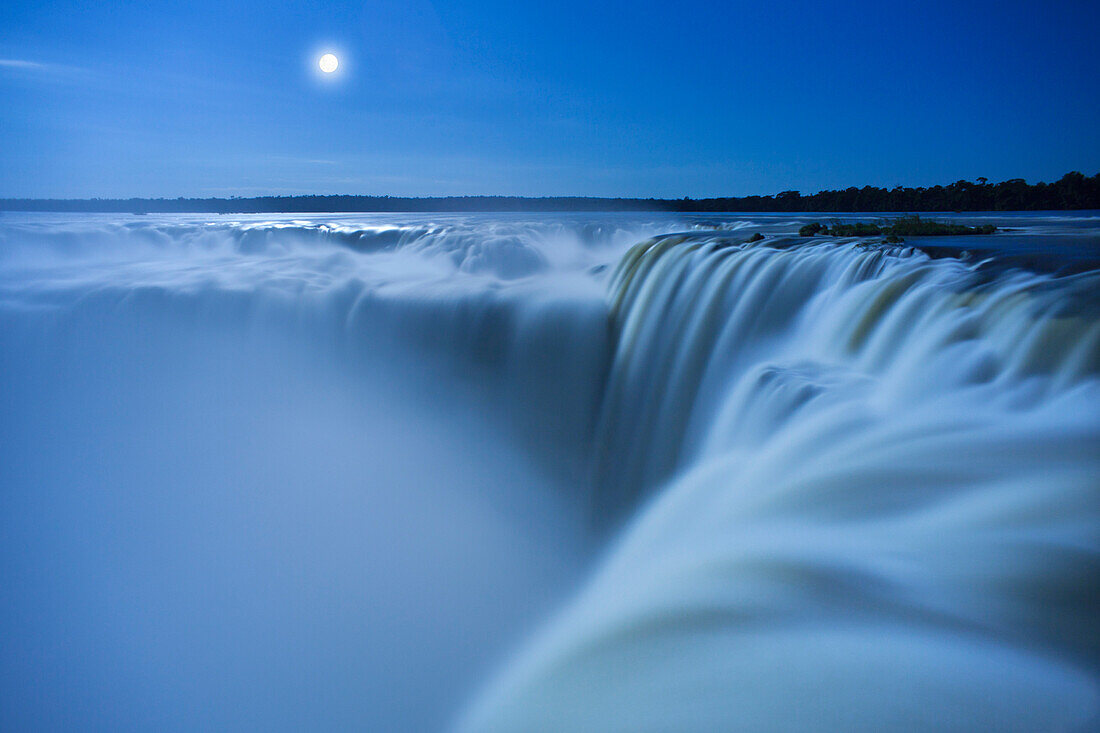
pixel 331 472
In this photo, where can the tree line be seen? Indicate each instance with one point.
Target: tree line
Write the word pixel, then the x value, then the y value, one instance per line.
pixel 1072 191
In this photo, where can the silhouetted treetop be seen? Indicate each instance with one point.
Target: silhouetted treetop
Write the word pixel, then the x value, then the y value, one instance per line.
pixel 1072 191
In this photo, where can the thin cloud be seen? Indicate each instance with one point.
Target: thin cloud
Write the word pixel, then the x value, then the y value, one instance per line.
pixel 21 64
pixel 38 66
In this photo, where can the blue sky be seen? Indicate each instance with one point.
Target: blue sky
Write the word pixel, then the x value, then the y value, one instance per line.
pixel 503 97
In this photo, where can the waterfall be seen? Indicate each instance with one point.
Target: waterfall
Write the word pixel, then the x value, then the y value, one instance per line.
pixel 863 495
pixel 333 471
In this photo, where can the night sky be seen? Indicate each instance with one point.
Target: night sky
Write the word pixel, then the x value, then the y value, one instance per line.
pixel 559 98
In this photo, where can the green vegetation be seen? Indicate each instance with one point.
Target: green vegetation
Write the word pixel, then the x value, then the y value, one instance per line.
pixel 859 229
pixel 1072 191
pixel 914 226
pixel 906 226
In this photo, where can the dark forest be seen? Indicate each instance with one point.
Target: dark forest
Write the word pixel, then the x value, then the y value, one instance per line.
pixel 1073 191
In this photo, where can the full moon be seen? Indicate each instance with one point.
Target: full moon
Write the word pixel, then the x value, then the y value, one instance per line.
pixel 328 63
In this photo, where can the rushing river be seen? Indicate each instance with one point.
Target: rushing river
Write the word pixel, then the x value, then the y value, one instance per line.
pixel 547 473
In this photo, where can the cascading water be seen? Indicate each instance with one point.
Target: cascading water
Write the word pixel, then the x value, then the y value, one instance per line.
pixel 880 501
pixel 726 342
pixel 326 472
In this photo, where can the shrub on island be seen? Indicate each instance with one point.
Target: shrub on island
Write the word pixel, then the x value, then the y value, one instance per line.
pixel 906 226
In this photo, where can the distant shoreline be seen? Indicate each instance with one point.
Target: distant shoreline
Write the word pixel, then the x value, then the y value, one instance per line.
pixel 1073 192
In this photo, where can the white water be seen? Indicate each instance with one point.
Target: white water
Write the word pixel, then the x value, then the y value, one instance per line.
pixel 331 472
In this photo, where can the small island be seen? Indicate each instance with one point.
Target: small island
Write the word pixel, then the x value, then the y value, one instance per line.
pixel 906 226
